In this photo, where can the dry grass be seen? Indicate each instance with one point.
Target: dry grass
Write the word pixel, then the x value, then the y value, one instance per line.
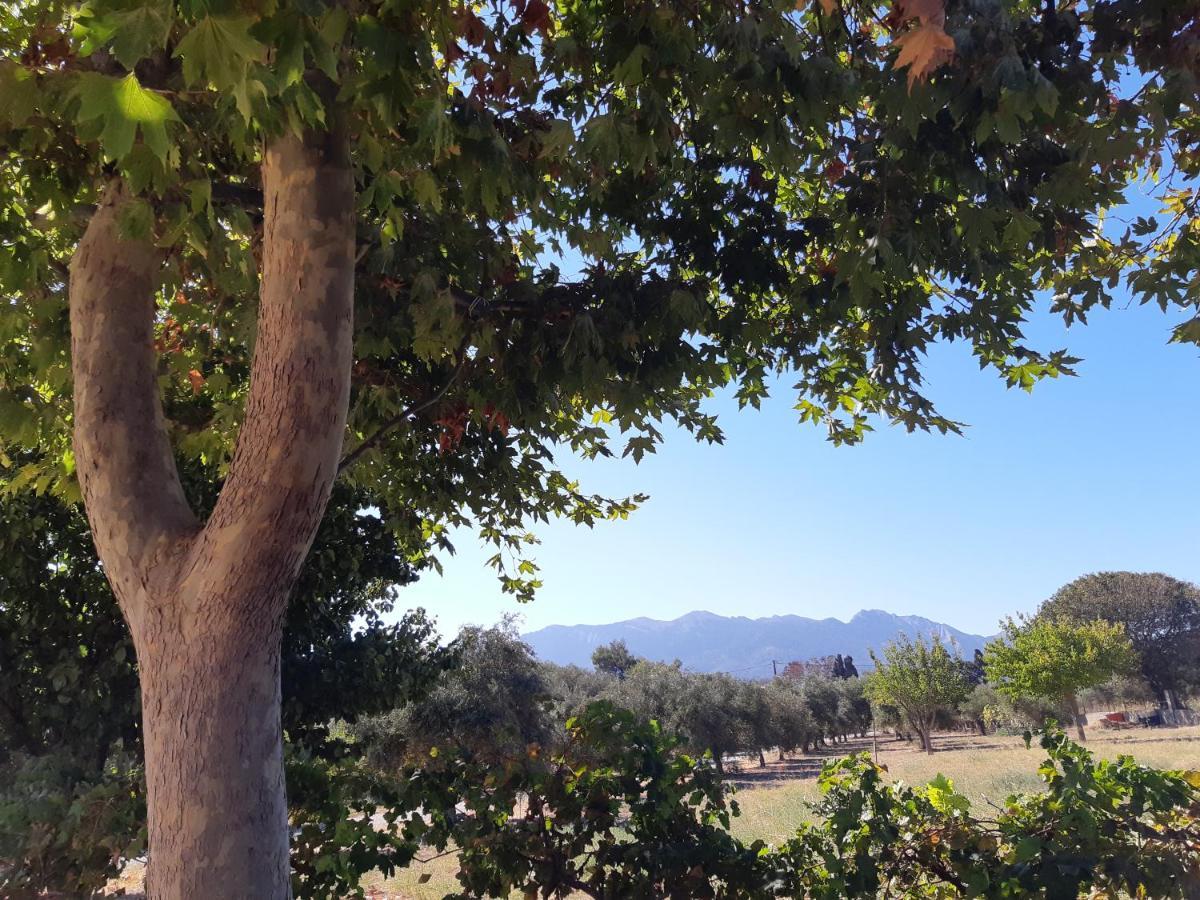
pixel 984 768
pixel 775 800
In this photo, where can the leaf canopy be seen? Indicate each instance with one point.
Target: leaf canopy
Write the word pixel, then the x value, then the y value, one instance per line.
pixel 1053 659
pixel 577 220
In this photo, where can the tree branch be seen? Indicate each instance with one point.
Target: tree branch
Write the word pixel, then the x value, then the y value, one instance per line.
pixel 405 413
pixel 131 488
pixel 291 438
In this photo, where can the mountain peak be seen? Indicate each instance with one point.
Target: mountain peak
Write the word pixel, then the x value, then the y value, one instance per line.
pixel 751 648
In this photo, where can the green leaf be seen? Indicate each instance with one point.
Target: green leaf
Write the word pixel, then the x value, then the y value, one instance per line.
pixel 132 34
pixel 1008 127
pixel 218 51
pixel 18 93
pixel 425 191
pixel 944 798
pixel 557 139
pixel 120 107
pixel 1046 96
pixel 1027 848
pixel 630 70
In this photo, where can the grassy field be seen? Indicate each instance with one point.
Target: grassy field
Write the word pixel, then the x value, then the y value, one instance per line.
pixel 984 768
pixel 775 799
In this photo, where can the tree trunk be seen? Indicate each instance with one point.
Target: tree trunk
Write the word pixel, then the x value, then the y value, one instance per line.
pixel 762 760
pixel 205 603
pixel 214 767
pixel 924 737
pixel 1078 716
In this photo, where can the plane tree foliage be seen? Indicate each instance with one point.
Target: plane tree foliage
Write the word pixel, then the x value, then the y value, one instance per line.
pixel 582 215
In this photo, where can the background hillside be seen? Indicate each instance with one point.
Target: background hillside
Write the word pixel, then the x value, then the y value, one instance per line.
pixel 706 642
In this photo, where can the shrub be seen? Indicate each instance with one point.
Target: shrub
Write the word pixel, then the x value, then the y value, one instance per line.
pixel 1100 829
pixel 63 829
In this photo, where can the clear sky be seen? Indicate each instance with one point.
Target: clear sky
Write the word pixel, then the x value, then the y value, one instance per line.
pixel 1087 473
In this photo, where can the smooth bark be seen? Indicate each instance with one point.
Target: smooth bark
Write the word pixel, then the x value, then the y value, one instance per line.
pixel 205 601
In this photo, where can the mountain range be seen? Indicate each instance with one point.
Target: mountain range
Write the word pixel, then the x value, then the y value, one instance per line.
pixel 706 642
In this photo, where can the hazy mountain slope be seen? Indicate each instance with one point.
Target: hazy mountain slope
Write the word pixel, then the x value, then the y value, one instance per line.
pixel 706 642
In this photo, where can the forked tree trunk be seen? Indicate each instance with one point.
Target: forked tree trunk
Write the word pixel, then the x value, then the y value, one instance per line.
pixel 205 601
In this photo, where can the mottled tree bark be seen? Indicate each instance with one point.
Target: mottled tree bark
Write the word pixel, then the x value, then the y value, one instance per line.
pixel 205 601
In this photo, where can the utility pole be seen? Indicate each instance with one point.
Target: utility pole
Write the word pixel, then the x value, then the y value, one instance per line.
pixel 774 669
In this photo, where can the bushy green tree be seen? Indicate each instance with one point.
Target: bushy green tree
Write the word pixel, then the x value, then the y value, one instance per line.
pixel 68 679
pixel 822 699
pixel 753 706
pixel 921 678
pixel 853 709
pixel 1160 614
pixel 492 704
pixel 574 687
pixel 653 690
pixel 713 712
pixel 613 659
pixel 1054 659
pixel 712 717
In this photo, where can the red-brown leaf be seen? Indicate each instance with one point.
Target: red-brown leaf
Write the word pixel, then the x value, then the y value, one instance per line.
pixel 923 50
pixel 536 17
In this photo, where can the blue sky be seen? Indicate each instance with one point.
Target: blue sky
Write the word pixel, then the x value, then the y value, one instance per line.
pixel 1087 473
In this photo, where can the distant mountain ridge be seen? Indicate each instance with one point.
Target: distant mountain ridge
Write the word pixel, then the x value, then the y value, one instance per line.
pixel 707 642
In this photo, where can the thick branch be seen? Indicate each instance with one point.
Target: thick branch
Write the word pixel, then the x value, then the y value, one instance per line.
pixel 288 447
pixel 127 472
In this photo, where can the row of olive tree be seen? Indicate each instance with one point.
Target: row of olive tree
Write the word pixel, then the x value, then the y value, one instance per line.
pixel 725 715
pixel 501 700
